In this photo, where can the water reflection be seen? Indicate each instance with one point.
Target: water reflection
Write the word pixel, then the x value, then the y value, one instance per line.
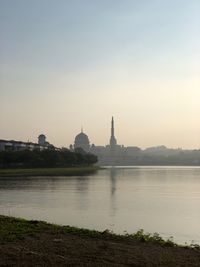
pixel 113 174
pixel 113 186
pixel 82 187
pixel 164 200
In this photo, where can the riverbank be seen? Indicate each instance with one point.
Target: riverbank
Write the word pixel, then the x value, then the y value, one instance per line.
pixel 49 171
pixel 35 243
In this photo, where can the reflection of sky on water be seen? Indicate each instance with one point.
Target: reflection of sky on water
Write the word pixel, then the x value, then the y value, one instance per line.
pixel 164 200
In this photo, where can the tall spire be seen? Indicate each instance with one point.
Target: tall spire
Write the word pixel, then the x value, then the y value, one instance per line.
pixel 113 141
pixel 112 128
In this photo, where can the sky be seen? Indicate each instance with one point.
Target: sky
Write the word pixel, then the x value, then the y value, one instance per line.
pixel 71 63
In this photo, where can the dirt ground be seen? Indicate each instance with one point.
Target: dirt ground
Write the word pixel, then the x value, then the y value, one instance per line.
pixel 73 250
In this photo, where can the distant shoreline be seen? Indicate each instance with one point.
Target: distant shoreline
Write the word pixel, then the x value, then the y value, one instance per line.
pixel 73 171
pixel 69 171
pixel 32 242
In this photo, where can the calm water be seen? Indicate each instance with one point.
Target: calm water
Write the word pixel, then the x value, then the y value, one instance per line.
pixel 157 199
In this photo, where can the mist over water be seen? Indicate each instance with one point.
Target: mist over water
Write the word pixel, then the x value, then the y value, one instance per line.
pixel 158 199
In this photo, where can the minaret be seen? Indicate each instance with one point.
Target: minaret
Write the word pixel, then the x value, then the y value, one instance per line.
pixel 113 141
pixel 112 128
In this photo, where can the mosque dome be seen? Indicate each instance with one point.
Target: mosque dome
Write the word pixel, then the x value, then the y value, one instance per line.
pixel 82 141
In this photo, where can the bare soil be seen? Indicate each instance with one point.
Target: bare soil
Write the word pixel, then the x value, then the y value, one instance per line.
pixel 68 249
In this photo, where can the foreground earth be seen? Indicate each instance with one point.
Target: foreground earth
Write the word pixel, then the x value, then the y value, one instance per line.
pixel 32 243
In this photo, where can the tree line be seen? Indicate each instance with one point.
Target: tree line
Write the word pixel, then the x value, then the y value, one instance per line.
pixel 45 158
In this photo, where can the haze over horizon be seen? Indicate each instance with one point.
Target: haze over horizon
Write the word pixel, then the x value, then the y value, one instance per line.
pixel 67 64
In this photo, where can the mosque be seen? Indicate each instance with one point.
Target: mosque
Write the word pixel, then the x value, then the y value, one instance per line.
pixel 82 141
pixel 109 154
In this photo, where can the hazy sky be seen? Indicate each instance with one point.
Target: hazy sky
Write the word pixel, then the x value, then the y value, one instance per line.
pixel 66 64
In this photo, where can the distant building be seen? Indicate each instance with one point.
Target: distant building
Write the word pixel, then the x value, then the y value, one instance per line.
pixel 112 153
pixel 12 145
pixel 132 150
pixel 42 139
pixel 82 141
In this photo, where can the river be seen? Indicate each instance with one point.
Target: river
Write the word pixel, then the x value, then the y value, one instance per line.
pixel 123 199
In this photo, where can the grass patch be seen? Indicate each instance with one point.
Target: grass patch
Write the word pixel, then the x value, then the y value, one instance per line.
pixel 49 171
pixel 12 228
pixel 153 238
